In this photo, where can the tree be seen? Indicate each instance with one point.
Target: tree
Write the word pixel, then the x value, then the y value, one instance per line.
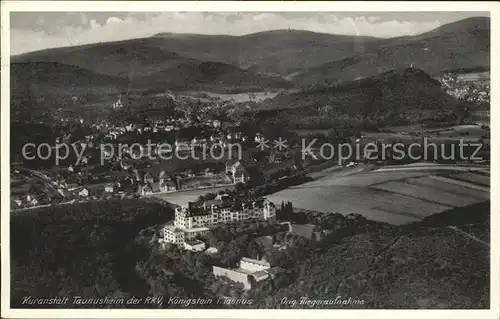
pixel 239 187
pixel 280 236
pixel 189 258
pixel 212 240
pixel 254 250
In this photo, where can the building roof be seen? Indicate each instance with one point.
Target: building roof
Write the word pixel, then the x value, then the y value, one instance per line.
pixel 260 275
pixel 193 230
pixel 212 250
pixel 233 162
pixel 168 182
pixel 256 261
pixel 194 242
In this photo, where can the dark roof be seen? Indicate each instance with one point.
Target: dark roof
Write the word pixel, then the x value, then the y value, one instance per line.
pixel 194 242
pixel 194 210
pixel 211 202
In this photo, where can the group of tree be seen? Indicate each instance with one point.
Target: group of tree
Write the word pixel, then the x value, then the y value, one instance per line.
pixel 85 249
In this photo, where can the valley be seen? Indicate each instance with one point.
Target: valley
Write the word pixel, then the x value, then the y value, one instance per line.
pixel 263 167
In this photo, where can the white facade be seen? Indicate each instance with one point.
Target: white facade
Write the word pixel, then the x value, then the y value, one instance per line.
pixel 254 265
pixel 84 192
pixel 215 214
pixel 192 221
pixel 194 245
pixel 258 269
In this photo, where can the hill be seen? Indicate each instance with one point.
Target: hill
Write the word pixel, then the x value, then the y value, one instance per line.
pixel 279 52
pixel 92 250
pixel 461 44
pixel 58 75
pixel 146 67
pixel 397 96
pixel 307 57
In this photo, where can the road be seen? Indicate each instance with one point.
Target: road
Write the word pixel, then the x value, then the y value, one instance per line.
pixel 432 166
pixel 47 181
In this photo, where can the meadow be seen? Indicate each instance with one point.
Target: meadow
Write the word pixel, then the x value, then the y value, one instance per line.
pixel 397 197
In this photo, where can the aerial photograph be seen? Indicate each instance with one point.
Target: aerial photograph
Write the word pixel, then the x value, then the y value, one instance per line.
pixel 249 160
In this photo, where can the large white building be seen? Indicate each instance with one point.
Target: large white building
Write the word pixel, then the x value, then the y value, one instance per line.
pixel 194 219
pixel 249 271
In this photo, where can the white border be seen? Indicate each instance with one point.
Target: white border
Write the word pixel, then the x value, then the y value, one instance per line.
pixel 8 6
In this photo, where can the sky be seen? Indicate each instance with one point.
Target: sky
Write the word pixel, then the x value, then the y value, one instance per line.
pixel 31 31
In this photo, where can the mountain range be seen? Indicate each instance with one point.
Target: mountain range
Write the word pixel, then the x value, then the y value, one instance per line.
pixel 259 61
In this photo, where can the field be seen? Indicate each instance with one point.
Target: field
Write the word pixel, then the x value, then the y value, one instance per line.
pixel 205 181
pixel 473 77
pixel 305 132
pixel 236 98
pixel 395 197
pixel 182 198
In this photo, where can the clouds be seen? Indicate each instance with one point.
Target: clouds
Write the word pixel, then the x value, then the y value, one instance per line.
pixel 34 31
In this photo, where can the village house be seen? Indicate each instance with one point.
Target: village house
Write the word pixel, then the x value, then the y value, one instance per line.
pixel 183 144
pixel 259 138
pixel 83 192
pixel 85 160
pixel 148 178
pixel 240 176
pixel 16 202
pixel 145 189
pixel 168 186
pixel 109 188
pixel 237 171
pixel 33 201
